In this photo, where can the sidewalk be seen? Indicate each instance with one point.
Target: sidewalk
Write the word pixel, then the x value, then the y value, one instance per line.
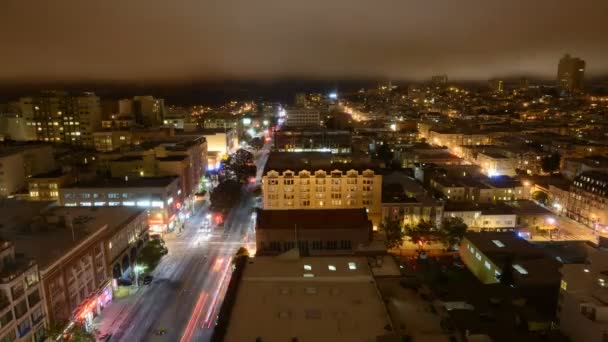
pixel 105 323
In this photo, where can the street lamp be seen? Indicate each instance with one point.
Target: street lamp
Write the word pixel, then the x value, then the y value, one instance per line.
pixel 138 269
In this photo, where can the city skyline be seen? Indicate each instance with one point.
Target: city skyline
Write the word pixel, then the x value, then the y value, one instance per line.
pixel 350 40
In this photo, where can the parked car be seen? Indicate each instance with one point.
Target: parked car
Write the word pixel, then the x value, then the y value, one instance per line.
pixel 148 279
pixel 124 282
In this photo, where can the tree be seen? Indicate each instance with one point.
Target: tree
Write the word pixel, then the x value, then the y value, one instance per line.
pixel 394 233
pixel 225 196
pixel 151 254
pixel 420 233
pixel 452 231
pixel 540 196
pixel 551 163
pixel 256 143
pixel 76 334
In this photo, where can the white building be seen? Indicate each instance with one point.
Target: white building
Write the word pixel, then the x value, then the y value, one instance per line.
pixel 303 117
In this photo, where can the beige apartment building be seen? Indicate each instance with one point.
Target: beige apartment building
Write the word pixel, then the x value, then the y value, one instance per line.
pixel 320 188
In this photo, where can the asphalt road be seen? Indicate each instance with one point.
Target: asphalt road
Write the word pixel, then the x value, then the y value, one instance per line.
pixel 190 281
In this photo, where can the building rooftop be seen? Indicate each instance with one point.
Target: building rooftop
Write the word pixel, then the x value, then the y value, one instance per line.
pixel 45 237
pixel 7 149
pixel 313 219
pixel 133 182
pixel 484 208
pixel 53 174
pixel 527 207
pixel 339 302
pixel 312 161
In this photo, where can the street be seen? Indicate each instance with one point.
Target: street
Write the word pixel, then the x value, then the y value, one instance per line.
pixel 190 281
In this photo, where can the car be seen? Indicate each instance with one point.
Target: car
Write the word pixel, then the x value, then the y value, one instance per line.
pixel 124 282
pixel 148 279
pixel 458 263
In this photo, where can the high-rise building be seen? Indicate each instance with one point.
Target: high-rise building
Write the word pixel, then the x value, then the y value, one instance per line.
pixel 570 74
pixel 497 86
pixel 62 118
pixel 146 110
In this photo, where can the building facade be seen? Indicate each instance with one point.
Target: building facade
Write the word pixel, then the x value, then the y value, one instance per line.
pixel 62 118
pixel 317 232
pixel 160 196
pixel 19 162
pixel 22 314
pixel 570 74
pixel 321 189
pixel 588 202
pixel 303 117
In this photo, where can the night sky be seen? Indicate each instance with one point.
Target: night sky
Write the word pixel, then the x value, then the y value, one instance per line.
pixel 154 40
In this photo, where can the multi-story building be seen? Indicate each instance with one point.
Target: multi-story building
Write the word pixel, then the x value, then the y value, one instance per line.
pixel 16 127
pixel 146 110
pixel 303 117
pixel 62 118
pixel 219 143
pixel 570 74
pixel 582 309
pixel 219 121
pixel 161 196
pixel 317 232
pixel 22 313
pixel 487 255
pixel 20 161
pixel 108 141
pixel 311 181
pixel 45 187
pixel 77 252
pixel 588 202
pixel 313 141
pixel 405 200
pixel 182 156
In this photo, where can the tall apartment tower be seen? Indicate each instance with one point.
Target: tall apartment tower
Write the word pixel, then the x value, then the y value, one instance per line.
pixel 146 110
pixel 570 74
pixel 62 118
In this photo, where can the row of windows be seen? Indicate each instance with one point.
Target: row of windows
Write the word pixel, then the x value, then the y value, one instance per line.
pixel 315 245
pixel 320 203
pixel 306 181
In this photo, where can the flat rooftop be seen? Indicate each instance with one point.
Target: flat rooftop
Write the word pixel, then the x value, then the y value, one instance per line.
pixel 311 161
pixel 339 303
pixel 133 182
pixel 313 219
pixel 484 208
pixel 47 240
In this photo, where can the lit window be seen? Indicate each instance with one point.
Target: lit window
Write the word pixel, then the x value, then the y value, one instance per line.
pixel 498 243
pixel 487 265
pixel 128 204
pixel 331 267
pixel 85 204
pixel 352 266
pixel 143 204
pixel 307 268
pixel 309 275
pixel 520 269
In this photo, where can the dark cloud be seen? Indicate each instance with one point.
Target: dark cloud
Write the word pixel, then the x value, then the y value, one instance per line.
pixel 202 39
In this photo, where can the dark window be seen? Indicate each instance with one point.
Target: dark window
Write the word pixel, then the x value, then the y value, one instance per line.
pixel 20 309
pixel 333 244
pixel 345 244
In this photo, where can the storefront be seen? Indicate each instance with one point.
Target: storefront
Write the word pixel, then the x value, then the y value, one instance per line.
pixel 92 306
